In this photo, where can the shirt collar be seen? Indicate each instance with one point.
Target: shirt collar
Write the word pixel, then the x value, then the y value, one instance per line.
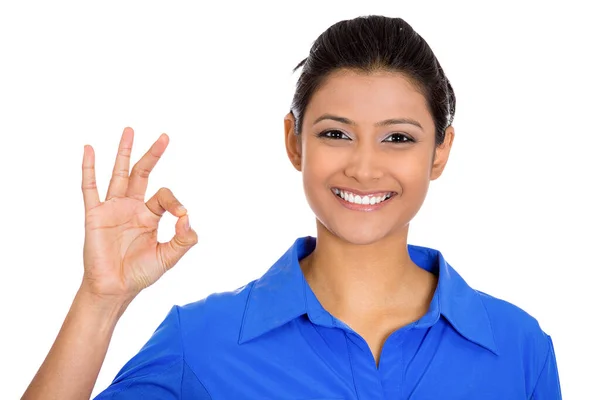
pixel 282 294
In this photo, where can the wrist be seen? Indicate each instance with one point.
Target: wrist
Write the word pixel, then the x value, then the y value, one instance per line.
pixel 104 307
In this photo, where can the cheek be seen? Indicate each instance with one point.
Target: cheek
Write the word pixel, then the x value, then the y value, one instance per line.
pixel 320 165
pixel 413 163
pixel 320 162
pixel 412 170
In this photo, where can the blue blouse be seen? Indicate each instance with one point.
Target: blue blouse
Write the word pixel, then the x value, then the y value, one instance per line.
pixel 272 339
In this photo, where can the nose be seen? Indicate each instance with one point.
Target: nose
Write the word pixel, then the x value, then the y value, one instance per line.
pixel 364 164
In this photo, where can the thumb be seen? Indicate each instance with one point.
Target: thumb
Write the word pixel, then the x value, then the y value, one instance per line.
pixel 185 237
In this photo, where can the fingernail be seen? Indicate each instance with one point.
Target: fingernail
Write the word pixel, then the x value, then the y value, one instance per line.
pixel 186 226
pixel 182 208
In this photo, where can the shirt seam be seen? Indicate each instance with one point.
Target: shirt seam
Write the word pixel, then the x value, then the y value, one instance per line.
pixel 198 379
pixel 351 365
pixel 184 362
pixel 138 378
pixel 537 381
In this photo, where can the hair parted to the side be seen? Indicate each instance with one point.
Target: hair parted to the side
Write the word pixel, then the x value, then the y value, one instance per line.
pixel 373 43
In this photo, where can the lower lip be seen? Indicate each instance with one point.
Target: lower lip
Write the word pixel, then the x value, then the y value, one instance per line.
pixel 362 207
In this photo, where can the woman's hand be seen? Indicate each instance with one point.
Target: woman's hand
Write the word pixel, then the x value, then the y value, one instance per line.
pixel 121 257
pixel 121 253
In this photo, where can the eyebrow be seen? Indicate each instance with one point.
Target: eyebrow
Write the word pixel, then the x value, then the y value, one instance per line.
pixel 385 122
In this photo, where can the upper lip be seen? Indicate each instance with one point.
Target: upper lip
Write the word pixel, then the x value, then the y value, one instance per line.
pixel 363 192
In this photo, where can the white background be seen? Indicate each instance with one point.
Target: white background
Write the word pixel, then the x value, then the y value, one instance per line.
pixel 516 212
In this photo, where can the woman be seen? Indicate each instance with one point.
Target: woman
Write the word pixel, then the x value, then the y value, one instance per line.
pixel 355 313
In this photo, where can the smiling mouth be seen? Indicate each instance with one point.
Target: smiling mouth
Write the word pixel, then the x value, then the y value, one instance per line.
pixel 369 199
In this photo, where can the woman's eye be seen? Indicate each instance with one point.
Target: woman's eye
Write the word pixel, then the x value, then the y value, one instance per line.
pixel 334 134
pixel 398 138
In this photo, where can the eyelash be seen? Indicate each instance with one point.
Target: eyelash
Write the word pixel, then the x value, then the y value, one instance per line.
pixel 324 134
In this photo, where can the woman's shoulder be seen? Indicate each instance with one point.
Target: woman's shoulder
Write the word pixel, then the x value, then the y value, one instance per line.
pixel 513 326
pixel 217 306
pixel 214 320
pixel 507 314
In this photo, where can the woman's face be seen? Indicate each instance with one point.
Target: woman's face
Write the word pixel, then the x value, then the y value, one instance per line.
pixel 367 139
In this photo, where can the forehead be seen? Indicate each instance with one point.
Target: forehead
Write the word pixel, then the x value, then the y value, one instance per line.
pixel 368 97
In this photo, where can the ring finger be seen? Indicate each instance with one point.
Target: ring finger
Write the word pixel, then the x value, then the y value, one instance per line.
pixel 138 180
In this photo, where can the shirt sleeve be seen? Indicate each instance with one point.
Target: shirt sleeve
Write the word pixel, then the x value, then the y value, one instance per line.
pixel 548 383
pixel 159 370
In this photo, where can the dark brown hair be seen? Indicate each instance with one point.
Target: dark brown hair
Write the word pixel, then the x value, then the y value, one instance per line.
pixel 368 44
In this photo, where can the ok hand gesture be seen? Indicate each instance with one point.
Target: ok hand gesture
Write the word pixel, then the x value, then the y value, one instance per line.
pixel 121 253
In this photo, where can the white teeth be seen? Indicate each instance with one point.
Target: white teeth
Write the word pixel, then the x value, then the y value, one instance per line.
pixel 362 200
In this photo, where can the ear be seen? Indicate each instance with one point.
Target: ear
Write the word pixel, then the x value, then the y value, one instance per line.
pixel 442 152
pixel 293 142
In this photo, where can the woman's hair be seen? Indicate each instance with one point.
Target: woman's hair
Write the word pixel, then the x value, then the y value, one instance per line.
pixel 370 44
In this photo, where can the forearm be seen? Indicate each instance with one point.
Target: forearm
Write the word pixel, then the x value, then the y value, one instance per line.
pixel 71 368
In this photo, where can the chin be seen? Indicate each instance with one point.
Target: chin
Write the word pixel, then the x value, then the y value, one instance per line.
pixel 365 235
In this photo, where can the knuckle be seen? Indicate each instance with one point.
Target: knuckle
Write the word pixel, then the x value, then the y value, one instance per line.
pixel 186 241
pixel 165 191
pixel 154 153
pixel 125 152
pixel 179 242
pixel 89 185
pixel 168 197
pixel 139 197
pixel 140 171
pixel 175 203
pixel 121 173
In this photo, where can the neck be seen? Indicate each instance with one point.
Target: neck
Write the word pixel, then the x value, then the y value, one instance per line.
pixel 355 279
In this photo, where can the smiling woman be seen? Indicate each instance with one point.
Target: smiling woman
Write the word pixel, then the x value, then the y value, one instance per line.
pixel 368 133
pixel 355 313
